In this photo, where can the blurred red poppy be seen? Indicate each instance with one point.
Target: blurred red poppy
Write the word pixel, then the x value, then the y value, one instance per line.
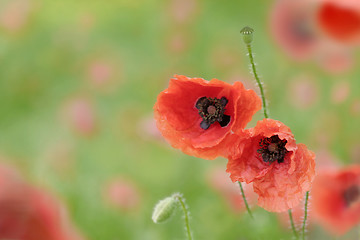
pixel 322 30
pixel 292 28
pixel 15 14
pixel 80 115
pixel 340 19
pixel 122 193
pixel 196 115
pixel 336 199
pixel 27 213
pixel 268 156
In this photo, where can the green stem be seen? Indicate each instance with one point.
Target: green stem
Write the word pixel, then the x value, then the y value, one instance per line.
pixel 293 225
pixel 257 80
pixel 244 198
pixel 305 214
pixel 186 216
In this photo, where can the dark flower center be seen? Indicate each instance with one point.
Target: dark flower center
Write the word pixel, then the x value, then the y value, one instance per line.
pixel 301 29
pixel 272 149
pixel 212 110
pixel 352 194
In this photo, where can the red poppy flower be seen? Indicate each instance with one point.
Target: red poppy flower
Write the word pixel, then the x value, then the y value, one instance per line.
pixel 336 199
pixel 292 28
pixel 27 213
pixel 196 115
pixel 268 156
pixel 340 19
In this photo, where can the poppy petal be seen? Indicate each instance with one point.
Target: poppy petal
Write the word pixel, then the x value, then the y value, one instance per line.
pixel 177 113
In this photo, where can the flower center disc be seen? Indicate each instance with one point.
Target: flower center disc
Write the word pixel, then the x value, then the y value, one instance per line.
pixel 352 195
pixel 212 110
pixel 272 149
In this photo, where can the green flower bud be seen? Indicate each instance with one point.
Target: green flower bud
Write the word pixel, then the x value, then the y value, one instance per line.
pixel 247 33
pixel 164 209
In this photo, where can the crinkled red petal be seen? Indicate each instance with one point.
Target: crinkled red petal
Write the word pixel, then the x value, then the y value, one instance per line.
pixel 282 188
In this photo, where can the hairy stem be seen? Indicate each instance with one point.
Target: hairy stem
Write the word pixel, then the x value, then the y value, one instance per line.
pixel 305 214
pixel 244 198
pixel 186 216
pixel 251 57
pixel 293 225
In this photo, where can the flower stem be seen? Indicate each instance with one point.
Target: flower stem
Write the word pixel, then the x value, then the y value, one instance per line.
pixel 293 225
pixel 257 79
pixel 244 198
pixel 186 216
pixel 305 214
pixel 248 37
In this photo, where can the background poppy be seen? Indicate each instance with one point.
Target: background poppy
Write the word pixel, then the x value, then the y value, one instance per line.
pixel 336 199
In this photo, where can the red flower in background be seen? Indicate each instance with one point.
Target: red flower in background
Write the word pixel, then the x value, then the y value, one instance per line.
pixel 268 156
pixel 321 30
pixel 122 193
pixel 292 29
pixel 27 213
pixel 196 115
pixel 340 19
pixel 336 199
pixel 80 115
pixel 14 15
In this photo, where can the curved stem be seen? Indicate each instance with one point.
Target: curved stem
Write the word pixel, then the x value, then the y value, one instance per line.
pixel 293 225
pixel 257 79
pixel 186 217
pixel 305 214
pixel 244 198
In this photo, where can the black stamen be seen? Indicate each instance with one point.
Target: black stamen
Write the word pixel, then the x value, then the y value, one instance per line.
pixel 272 149
pixel 204 124
pixel 225 121
pixel 212 110
pixel 223 101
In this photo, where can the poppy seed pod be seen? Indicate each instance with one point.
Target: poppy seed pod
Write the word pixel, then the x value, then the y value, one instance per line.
pixel 247 33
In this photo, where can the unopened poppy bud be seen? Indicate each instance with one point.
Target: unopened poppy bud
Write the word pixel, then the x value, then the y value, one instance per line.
pixel 164 209
pixel 247 33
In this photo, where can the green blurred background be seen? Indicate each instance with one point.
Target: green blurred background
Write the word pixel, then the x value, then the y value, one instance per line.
pixel 78 80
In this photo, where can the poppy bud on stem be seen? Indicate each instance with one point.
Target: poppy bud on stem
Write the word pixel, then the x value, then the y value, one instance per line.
pixel 247 33
pixel 165 208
